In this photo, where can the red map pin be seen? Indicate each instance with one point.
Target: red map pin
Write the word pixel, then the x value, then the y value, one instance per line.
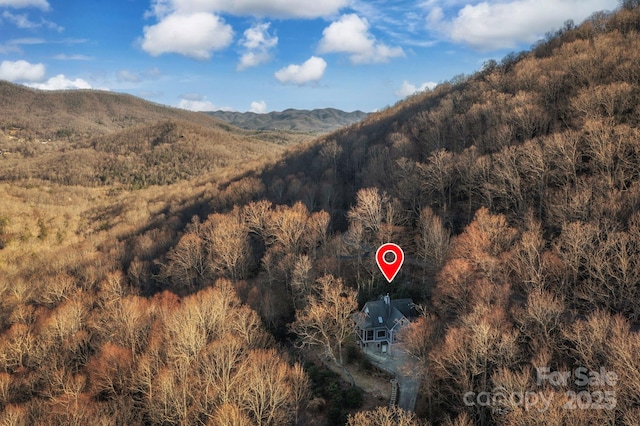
pixel 389 269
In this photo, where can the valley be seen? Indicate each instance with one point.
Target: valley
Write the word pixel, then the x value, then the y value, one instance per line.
pixel 316 121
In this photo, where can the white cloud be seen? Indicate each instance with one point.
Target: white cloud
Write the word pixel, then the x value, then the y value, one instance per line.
pixel 196 35
pixel 9 48
pixel 153 73
pixel 281 8
pixel 27 41
pixel 150 94
pixel 253 59
pixel 503 24
pixel 17 4
pixel 408 89
pixel 192 96
pixel 128 76
pixel 22 21
pixel 76 57
pixel 259 107
pixel 311 70
pixel 60 82
pixel 193 27
pixel 258 43
pixel 197 102
pixel 21 71
pixel 197 105
pixel 351 35
pixel 260 8
pixel 257 37
pixel 14 45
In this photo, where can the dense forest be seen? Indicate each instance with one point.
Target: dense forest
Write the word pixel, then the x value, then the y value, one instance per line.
pixel 95 138
pixel 315 121
pixel 514 193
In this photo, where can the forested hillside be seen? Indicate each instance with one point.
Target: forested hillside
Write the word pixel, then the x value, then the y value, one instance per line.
pixel 94 138
pixel 514 193
pixel 314 121
pixel 80 113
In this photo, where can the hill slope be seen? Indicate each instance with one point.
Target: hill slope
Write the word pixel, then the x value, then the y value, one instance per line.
pixel 87 137
pixel 44 114
pixel 442 148
pixel 314 121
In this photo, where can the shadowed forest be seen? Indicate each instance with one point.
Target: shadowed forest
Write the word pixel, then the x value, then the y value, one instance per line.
pixel 176 270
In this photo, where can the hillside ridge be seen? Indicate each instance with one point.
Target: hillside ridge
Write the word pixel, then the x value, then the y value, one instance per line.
pixel 86 113
pixel 96 138
pixel 319 120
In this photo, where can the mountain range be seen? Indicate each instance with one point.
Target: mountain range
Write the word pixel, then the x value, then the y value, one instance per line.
pixel 310 121
pixel 90 137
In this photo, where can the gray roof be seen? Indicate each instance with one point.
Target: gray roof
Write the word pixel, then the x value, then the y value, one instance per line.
pixel 382 315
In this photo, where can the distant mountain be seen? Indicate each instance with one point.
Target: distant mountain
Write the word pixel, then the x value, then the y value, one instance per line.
pixel 86 113
pixel 92 138
pixel 314 121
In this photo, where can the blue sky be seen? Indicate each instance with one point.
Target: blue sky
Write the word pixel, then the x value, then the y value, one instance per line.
pixel 268 55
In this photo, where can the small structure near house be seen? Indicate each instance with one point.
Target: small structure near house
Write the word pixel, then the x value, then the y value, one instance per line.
pixel 379 322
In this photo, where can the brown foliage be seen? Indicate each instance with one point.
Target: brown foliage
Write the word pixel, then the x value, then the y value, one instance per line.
pixel 530 165
pixel 384 416
pixel 326 321
pixel 227 238
pixel 110 373
pixel 432 240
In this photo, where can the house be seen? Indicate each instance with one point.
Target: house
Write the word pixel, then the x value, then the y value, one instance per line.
pixel 379 322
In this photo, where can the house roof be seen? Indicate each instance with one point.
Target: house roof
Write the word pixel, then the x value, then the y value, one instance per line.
pixel 378 313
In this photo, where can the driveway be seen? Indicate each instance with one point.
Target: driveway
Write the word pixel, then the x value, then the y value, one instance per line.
pixel 404 367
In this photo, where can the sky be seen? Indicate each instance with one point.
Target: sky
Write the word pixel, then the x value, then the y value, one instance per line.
pixel 268 55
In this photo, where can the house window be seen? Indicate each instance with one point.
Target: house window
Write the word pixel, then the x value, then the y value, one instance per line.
pixel 381 334
pixel 369 335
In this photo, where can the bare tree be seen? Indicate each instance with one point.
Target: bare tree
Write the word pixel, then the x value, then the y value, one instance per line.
pixel 540 320
pixel 470 353
pixel 437 177
pixel 384 416
pixel 230 415
pixel 326 321
pixel 287 225
pixel 374 220
pixel 266 392
pixel 316 231
pixel 219 365
pixel 227 237
pixel 432 241
pixel 527 258
pixel 300 388
pixel 187 263
pixel 256 215
pixel 130 325
pixel 331 151
pixel 110 372
pixel 301 280
pixel 369 210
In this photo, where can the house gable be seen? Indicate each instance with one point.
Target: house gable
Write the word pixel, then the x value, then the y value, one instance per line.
pixel 379 320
